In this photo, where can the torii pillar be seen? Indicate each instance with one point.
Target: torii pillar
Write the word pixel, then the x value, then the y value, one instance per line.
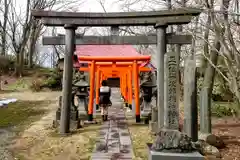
pixel 67 79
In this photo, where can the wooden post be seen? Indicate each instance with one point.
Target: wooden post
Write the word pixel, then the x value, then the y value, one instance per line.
pixel 130 89
pixel 161 49
pixel 125 87
pixel 123 94
pixel 114 33
pixel 205 111
pixel 136 91
pixel 97 88
pixel 91 97
pixel 121 85
pixel 67 79
pixel 190 100
pixel 101 79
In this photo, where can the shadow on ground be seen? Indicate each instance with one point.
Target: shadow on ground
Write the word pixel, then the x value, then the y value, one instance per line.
pixel 5 91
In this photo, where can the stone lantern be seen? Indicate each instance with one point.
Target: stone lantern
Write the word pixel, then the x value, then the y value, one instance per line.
pixel 81 92
pixel 147 89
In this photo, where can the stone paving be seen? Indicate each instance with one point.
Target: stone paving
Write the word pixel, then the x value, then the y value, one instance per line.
pixel 114 142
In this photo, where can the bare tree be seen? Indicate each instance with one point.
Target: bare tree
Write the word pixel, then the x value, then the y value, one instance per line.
pixel 3 26
pixel 25 30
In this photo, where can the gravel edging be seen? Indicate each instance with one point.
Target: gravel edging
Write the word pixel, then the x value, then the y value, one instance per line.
pixel 6 136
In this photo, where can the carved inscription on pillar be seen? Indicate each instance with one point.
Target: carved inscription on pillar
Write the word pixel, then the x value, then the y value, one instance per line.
pixel 171 108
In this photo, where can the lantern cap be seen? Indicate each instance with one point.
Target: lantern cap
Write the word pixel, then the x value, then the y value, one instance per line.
pixel 81 82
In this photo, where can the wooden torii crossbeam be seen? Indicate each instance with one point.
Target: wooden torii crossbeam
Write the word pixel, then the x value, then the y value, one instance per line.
pixel 162 17
pixel 115 40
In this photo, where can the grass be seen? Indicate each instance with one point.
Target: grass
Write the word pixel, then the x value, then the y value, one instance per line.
pixel 20 112
pixel 224 109
pixel 20 84
pixel 78 145
pixel 29 74
pixel 140 136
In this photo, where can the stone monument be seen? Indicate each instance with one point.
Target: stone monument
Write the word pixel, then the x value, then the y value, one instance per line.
pixel 146 106
pixel 79 86
pixel 75 122
pixel 170 143
pixel 81 92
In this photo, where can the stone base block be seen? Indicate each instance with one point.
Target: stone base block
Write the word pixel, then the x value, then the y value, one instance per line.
pixel 74 115
pixel 153 126
pixel 73 124
pixel 153 155
pixel 58 114
pixel 90 122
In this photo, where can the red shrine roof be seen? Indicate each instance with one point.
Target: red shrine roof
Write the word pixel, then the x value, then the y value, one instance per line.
pixel 149 65
pixel 106 50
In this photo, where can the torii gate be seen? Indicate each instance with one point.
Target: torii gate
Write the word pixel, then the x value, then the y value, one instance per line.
pixel 123 70
pixel 96 68
pixel 71 20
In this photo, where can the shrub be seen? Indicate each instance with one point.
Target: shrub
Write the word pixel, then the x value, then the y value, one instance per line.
pixel 220 92
pixel 36 85
pixel 54 81
pixel 6 64
pixel 225 109
pixel 50 79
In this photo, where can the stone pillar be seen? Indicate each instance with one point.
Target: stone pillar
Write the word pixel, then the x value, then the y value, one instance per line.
pixel 171 108
pixel 205 111
pixel 190 125
pixel 161 49
pixel 67 79
pixel 114 33
pixel 169 138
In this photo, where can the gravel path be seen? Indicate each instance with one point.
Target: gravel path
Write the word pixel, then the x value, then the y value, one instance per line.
pixel 114 140
pixel 6 136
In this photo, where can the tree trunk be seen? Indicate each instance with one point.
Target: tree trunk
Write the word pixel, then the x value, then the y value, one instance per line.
pixel 35 32
pixel 4 27
pixel 205 45
pixel 32 44
pixel 17 69
pixel 178 52
pixel 208 82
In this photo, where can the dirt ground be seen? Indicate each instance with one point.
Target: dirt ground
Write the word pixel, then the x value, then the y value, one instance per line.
pixel 39 141
pixel 229 130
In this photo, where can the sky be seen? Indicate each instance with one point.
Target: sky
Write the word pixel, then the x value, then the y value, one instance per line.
pixel 95 6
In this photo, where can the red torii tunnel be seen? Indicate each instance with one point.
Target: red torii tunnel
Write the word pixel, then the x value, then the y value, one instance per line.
pixel 125 68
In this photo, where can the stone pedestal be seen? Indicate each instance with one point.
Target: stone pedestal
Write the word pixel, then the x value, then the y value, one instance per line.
pixel 73 124
pixel 153 126
pixel 155 155
pixel 74 115
pixel 93 121
pixel 58 114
